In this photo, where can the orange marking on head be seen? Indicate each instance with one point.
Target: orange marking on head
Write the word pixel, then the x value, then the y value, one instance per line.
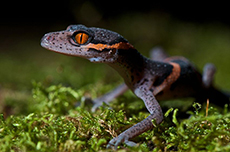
pixel 170 79
pixel 100 47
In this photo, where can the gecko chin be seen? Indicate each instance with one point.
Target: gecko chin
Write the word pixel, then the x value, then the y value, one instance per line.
pixel 98 59
pixel 102 59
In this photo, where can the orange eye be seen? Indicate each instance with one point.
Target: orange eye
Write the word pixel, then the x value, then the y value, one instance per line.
pixel 81 38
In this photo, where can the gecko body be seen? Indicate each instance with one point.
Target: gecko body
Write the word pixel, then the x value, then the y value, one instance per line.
pixel 158 78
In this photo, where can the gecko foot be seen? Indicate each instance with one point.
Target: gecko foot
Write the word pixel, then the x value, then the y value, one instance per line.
pixel 118 140
pixel 98 103
pixel 108 97
pixel 96 106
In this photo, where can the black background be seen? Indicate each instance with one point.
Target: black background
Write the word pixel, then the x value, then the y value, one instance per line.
pixel 51 12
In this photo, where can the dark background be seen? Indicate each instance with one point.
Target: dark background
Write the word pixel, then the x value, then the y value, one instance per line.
pixel 198 31
pixel 47 12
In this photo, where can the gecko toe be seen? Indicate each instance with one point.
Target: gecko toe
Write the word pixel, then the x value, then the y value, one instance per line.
pixel 115 142
pixel 111 144
pixel 130 143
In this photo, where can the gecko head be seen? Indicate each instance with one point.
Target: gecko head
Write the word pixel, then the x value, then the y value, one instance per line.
pixel 94 44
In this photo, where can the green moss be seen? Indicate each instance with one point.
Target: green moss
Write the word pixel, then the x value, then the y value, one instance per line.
pixel 57 125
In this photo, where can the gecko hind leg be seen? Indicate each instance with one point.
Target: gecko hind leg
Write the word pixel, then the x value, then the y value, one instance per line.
pixel 214 95
pixel 119 90
pixel 209 71
pixel 158 54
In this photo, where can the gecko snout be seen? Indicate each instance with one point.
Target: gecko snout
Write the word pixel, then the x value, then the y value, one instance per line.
pixel 46 40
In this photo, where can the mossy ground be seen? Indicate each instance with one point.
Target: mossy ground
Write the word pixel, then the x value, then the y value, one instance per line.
pixel 56 125
pixel 39 91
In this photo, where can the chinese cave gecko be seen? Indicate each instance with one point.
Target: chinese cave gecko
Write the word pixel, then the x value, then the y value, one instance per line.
pixel 158 78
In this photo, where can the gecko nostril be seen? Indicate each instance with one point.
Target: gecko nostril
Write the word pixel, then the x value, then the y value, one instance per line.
pixel 46 39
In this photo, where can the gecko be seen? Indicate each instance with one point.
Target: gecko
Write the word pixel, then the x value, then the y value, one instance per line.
pixel 159 77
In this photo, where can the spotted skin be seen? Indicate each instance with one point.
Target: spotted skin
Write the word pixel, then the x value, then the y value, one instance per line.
pixel 158 78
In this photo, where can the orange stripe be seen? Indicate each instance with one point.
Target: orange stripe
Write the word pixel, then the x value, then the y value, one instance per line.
pixel 170 79
pixel 101 47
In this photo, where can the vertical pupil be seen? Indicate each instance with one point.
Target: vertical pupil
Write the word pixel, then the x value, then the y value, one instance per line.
pixel 81 36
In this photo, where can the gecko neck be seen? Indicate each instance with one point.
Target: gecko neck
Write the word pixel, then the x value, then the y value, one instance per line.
pixel 130 65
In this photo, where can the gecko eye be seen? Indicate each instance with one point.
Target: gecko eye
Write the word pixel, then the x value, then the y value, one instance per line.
pixel 81 38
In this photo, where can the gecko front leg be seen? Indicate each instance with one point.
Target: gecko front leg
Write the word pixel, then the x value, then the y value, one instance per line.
pixel 119 90
pixel 155 113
